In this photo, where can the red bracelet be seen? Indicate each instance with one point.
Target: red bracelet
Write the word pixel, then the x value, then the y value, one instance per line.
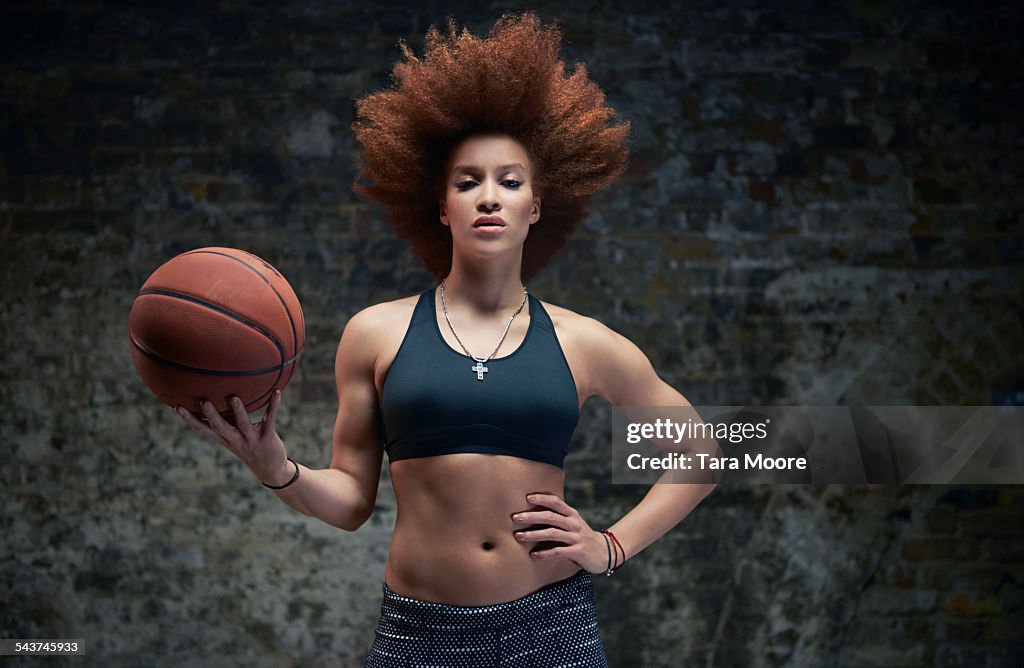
pixel 618 551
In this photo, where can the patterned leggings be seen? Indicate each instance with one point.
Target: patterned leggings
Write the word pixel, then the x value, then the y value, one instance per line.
pixel 554 626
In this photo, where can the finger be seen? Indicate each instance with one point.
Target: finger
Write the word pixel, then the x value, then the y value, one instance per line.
pixel 549 534
pixel 216 421
pixel 550 501
pixel 545 517
pixel 553 553
pixel 192 421
pixel 575 553
pixel 203 428
pixel 241 418
pixel 270 415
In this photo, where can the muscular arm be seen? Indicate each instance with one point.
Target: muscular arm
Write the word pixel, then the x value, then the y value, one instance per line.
pixel 344 494
pixel 622 374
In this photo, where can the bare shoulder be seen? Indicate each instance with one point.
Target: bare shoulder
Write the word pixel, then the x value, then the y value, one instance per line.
pixel 379 318
pixel 588 334
pixel 598 356
pixel 376 329
pixel 607 364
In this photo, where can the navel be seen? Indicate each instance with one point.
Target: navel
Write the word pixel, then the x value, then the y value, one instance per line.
pixel 487 545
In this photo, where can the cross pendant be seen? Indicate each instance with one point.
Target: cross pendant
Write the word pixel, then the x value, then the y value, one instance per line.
pixel 480 370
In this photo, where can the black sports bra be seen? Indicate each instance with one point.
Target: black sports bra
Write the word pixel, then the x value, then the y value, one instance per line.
pixel 433 404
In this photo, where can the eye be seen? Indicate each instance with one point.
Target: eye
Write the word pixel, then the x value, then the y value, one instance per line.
pixel 512 183
pixel 464 185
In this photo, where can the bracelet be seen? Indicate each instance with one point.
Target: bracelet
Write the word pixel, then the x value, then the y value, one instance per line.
pixel 294 477
pixel 619 550
pixel 608 544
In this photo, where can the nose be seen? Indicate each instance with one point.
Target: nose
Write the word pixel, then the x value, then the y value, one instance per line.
pixel 489 201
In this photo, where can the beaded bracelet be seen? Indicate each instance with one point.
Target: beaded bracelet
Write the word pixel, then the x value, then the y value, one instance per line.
pixel 294 477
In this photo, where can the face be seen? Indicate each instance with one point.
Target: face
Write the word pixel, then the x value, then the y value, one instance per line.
pixel 489 202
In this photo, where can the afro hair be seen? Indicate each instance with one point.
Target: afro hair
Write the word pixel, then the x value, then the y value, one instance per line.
pixel 408 130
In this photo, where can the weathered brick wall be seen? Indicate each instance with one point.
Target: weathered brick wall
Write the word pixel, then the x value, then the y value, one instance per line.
pixel 823 207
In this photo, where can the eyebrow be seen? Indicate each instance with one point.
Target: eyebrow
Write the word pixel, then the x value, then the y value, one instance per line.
pixel 474 168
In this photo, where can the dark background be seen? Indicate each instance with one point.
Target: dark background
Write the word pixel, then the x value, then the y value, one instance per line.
pixel 823 207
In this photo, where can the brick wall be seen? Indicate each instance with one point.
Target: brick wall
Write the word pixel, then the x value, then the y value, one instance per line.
pixel 823 207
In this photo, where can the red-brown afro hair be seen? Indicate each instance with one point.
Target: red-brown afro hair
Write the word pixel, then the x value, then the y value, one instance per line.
pixel 513 83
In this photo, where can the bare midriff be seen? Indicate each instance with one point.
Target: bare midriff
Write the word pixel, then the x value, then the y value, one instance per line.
pixel 453 541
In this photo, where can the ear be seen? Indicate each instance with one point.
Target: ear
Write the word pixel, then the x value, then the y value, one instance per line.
pixel 535 211
pixel 443 211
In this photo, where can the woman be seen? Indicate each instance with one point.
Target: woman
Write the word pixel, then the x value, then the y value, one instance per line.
pixel 484 155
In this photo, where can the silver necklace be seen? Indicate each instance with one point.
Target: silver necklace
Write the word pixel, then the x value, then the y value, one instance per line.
pixel 479 369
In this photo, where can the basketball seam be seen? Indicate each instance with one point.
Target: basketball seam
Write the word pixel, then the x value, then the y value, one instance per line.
pixel 219 309
pixel 214 372
pixel 156 357
pixel 287 311
pixel 284 370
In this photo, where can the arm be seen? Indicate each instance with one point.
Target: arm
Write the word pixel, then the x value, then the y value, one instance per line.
pixel 625 377
pixel 615 369
pixel 342 495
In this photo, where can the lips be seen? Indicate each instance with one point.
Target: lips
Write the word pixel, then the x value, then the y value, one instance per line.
pixel 489 222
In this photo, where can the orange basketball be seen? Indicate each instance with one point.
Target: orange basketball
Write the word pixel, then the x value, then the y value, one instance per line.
pixel 212 323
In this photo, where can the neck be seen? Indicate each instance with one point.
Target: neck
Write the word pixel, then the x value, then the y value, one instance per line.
pixel 486 290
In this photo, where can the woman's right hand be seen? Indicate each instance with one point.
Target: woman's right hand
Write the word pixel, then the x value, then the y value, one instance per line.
pixel 256 444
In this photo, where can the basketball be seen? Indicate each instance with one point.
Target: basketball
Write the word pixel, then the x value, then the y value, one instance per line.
pixel 212 323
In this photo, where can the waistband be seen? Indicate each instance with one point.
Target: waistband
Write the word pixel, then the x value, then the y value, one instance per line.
pixel 570 592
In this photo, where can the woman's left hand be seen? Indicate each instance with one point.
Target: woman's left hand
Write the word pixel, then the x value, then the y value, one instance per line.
pixel 561 524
